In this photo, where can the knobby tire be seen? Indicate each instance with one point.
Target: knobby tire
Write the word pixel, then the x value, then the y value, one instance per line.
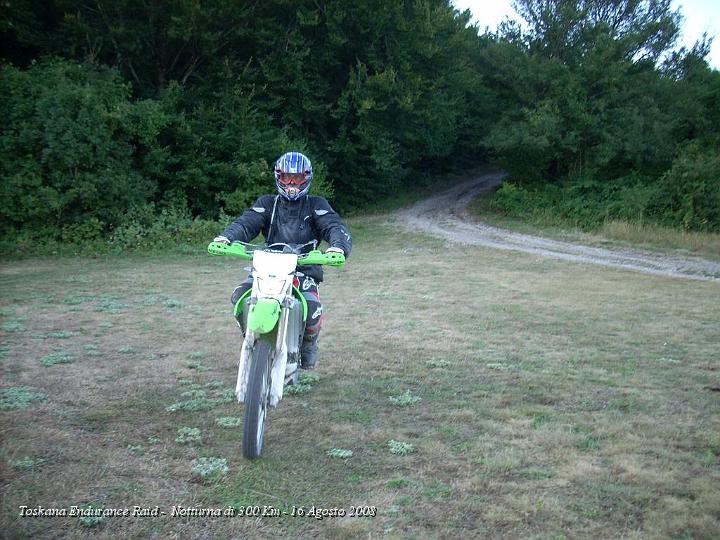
pixel 256 400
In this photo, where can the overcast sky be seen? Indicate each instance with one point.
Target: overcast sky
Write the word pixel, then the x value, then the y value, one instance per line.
pixel 700 16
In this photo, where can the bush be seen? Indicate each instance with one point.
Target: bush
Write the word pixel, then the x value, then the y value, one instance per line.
pixel 68 141
pixel 515 200
pixel 582 201
pixel 689 193
pixel 145 229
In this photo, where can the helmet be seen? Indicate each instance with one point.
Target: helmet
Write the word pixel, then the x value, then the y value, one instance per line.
pixel 293 175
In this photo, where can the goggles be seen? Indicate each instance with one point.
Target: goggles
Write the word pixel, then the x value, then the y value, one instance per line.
pixel 292 179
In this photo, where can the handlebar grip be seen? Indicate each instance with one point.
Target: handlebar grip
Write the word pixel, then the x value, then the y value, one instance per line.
pixel 318 257
pixel 234 250
pixel 335 259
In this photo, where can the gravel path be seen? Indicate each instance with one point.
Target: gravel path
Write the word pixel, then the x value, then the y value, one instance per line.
pixel 445 215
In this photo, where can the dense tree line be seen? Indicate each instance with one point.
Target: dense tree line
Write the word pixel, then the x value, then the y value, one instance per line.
pixel 602 120
pixel 117 114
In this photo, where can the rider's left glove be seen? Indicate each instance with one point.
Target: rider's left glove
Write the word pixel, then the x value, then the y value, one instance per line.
pixel 334 250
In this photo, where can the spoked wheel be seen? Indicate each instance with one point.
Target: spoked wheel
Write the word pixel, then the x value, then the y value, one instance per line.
pixel 256 400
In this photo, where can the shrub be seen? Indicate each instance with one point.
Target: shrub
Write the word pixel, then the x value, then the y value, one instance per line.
pixel 689 194
pixel 69 137
pixel 583 201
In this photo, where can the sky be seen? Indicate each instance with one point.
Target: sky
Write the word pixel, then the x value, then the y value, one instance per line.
pixel 700 16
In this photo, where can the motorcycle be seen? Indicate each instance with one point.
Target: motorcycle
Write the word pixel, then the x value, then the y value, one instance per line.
pixel 272 315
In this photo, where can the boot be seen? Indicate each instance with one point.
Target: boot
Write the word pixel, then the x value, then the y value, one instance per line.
pixel 309 352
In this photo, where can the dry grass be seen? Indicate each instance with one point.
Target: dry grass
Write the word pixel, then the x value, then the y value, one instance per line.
pixel 556 400
pixel 655 235
pixel 615 233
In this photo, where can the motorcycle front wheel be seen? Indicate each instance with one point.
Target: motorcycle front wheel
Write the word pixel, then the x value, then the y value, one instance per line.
pixel 256 400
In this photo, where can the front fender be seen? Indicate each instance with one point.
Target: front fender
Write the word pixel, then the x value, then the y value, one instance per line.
pixel 264 315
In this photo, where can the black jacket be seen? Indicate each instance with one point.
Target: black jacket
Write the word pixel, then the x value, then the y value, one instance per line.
pixel 293 222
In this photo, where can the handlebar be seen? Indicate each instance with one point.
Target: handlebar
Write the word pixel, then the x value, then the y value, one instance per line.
pixel 313 257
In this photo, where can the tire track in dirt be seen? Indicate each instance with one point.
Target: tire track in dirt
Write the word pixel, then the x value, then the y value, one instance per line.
pixel 445 215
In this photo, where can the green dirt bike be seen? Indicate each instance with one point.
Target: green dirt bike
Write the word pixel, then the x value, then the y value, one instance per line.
pixel 272 315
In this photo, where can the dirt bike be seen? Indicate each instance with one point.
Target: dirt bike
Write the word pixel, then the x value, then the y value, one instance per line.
pixel 272 315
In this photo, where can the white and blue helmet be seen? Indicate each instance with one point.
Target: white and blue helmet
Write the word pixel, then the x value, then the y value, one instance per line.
pixel 293 175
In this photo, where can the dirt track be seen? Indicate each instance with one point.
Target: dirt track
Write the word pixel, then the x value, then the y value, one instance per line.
pixel 445 215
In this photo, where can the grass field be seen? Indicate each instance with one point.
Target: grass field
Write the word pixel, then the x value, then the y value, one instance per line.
pixel 524 397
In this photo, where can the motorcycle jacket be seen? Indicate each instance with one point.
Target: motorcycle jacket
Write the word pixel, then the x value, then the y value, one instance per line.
pixel 308 219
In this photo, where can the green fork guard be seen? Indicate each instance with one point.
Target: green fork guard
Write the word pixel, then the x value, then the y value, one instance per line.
pixel 241 302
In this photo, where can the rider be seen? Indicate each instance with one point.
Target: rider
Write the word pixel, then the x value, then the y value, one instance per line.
pixel 294 217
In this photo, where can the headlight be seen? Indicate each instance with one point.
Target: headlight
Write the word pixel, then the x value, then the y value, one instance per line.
pixel 270 287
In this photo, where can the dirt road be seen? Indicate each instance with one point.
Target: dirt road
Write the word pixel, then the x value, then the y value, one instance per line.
pixel 445 215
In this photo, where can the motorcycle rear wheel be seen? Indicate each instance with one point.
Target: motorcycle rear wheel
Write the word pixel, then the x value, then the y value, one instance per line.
pixel 256 400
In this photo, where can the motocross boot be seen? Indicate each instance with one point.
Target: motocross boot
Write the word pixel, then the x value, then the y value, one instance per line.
pixel 309 352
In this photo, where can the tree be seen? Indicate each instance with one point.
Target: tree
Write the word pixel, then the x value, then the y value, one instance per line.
pixel 67 146
pixel 639 30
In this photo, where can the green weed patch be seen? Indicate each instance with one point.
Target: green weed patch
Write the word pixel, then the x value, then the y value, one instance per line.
pixel 58 357
pixel 188 435
pixel 20 397
pixel 400 448
pixel 210 467
pixel 405 399
pixel 228 421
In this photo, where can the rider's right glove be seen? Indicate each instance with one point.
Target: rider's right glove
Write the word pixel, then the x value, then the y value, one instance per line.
pixel 221 239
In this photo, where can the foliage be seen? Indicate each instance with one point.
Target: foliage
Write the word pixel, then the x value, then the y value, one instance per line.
pixel 55 335
pixel 58 357
pixel 339 453
pixel 131 125
pixel 227 395
pixel 309 378
pixel 400 448
pixel 25 464
pixel 597 122
pixel 19 397
pixel 193 404
pixel 12 326
pixel 404 399
pixel 297 389
pixel 67 146
pixel 92 515
pixel 211 467
pixel 228 421
pixel 383 90
pixel 689 193
pixel 188 435
pixel 580 201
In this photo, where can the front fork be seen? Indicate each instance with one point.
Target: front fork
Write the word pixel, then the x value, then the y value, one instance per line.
pixel 280 355
pixel 279 358
pixel 244 366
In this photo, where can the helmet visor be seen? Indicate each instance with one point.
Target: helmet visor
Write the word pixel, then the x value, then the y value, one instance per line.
pixel 292 179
